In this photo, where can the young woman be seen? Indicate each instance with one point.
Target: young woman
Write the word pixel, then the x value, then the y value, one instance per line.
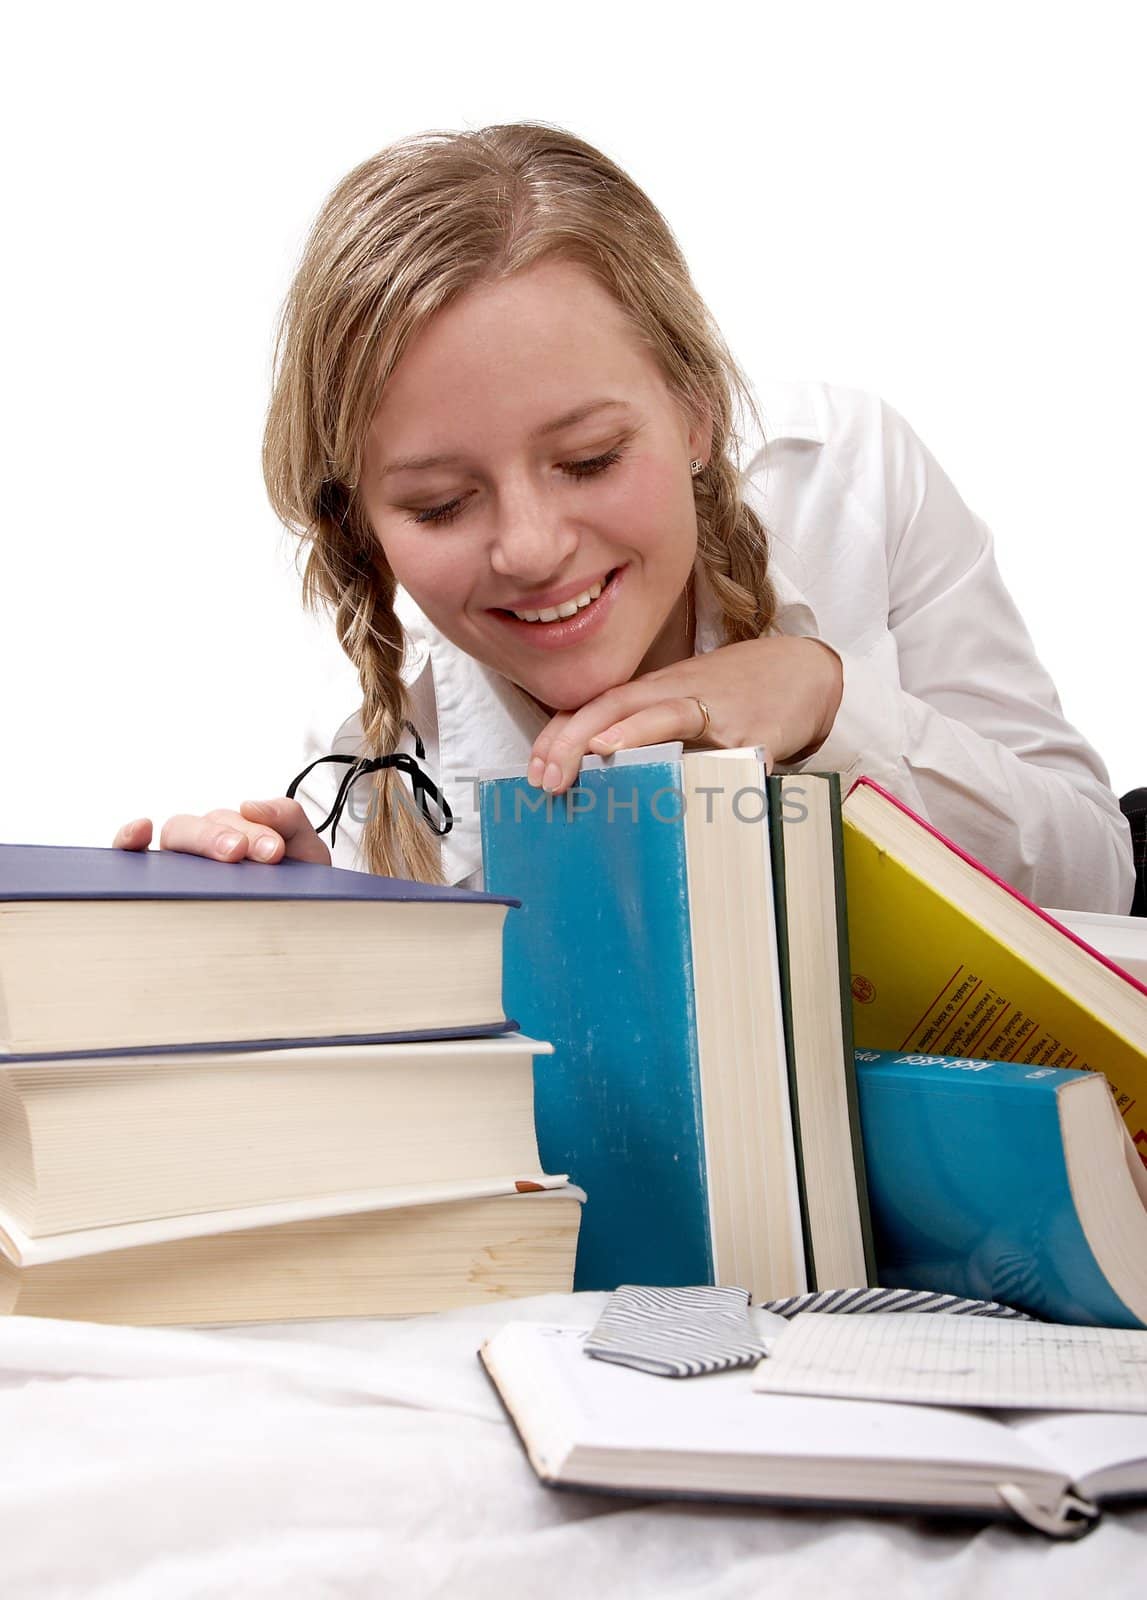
pixel 504 426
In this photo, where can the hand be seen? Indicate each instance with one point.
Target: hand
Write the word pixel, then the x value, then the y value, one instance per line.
pixel 261 830
pixel 781 692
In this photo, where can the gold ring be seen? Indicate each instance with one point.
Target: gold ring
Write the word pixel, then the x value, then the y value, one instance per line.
pixel 705 713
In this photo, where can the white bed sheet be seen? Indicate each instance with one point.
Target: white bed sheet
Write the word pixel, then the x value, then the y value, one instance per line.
pixel 372 1459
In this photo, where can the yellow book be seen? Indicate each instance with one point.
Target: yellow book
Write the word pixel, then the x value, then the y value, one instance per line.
pixel 947 959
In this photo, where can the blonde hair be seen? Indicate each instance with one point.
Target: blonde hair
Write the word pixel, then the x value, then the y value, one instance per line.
pixel 400 237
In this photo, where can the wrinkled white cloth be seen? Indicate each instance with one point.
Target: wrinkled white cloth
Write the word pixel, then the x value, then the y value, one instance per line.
pixel 347 1459
pixel 945 701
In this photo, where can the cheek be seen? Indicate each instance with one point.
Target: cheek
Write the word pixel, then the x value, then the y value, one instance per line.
pixel 659 509
pixel 434 572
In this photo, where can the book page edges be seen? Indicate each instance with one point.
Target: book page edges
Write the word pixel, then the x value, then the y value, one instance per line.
pixel 24 1251
pixel 1044 916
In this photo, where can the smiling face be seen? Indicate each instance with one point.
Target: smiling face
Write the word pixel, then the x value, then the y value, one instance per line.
pixel 561 463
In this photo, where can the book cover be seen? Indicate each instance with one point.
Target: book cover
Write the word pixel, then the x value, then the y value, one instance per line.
pixel 73 872
pixel 599 961
pixel 969 1185
pixel 928 977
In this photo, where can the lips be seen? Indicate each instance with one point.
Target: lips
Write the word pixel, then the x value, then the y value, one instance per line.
pixel 565 631
pixel 559 597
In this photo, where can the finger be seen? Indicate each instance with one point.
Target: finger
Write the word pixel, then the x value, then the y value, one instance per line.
pixel 571 740
pixel 658 724
pixel 133 835
pixel 543 744
pixel 292 826
pixel 221 835
pixel 682 719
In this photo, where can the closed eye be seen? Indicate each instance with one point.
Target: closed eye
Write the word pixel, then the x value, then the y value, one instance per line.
pixel 575 469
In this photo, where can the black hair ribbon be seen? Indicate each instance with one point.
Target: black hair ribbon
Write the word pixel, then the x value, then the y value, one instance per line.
pixel 424 789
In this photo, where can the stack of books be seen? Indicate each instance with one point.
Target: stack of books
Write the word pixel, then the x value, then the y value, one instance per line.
pixel 689 946
pixel 231 1093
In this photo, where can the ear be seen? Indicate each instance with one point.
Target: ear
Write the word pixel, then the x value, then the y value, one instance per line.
pixel 701 431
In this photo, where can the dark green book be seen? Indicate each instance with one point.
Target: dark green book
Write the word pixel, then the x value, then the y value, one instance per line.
pixel 812 939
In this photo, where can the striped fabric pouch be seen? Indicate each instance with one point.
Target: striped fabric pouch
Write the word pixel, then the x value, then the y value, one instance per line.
pixel 685 1333
pixel 676 1333
pixel 853 1302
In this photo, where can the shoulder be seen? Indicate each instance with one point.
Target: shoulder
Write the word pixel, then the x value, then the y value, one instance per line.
pixel 845 423
pixel 829 453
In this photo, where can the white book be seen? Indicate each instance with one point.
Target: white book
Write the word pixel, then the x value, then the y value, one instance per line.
pixel 90 1143
pixel 591 1424
pixel 389 1260
pixel 22 1250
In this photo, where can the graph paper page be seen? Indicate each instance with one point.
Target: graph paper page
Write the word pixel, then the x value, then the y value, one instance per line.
pixel 958 1361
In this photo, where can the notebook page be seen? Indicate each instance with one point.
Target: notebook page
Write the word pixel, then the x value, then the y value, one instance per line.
pixel 958 1361
pixel 562 1397
pixel 1101 1454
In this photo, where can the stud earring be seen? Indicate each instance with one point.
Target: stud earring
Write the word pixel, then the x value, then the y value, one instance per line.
pixel 696 466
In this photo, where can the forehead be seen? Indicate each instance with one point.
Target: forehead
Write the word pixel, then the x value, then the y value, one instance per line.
pixel 512 353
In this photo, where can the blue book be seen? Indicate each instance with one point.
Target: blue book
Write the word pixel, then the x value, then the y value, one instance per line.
pixel 115 951
pixel 1005 1182
pixel 646 952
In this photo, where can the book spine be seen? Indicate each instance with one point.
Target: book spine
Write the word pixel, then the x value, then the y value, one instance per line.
pixel 845 971
pixel 993 1076
pixel 780 903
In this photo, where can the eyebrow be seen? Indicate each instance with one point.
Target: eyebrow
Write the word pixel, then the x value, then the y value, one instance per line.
pixel 566 420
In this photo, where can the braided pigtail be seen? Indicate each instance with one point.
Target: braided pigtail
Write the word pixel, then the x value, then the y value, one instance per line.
pixel 734 550
pixel 346 575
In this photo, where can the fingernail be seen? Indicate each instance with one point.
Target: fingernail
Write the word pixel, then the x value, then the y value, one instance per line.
pixel 552 778
pixel 611 738
pixel 263 849
pixel 227 842
pixel 534 771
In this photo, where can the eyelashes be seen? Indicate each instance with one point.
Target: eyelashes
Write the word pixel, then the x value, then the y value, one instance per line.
pixel 440 515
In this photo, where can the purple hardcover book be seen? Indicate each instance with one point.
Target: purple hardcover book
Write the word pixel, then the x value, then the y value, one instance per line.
pixel 70 872
pixel 35 873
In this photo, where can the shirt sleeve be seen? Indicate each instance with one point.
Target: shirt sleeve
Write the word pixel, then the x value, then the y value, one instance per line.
pixel 973 737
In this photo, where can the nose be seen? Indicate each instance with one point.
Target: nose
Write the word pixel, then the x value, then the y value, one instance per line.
pixel 533 539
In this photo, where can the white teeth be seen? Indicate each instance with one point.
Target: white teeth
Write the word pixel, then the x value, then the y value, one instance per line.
pixel 568 608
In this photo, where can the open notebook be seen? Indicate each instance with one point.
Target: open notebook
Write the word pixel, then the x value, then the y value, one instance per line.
pixel 590 1424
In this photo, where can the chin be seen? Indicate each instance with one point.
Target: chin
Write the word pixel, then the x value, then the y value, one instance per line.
pixel 570 689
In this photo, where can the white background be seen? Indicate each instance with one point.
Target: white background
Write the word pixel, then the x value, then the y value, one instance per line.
pixel 940 202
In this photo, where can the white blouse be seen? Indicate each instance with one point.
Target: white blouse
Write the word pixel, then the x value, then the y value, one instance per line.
pixel 945 702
